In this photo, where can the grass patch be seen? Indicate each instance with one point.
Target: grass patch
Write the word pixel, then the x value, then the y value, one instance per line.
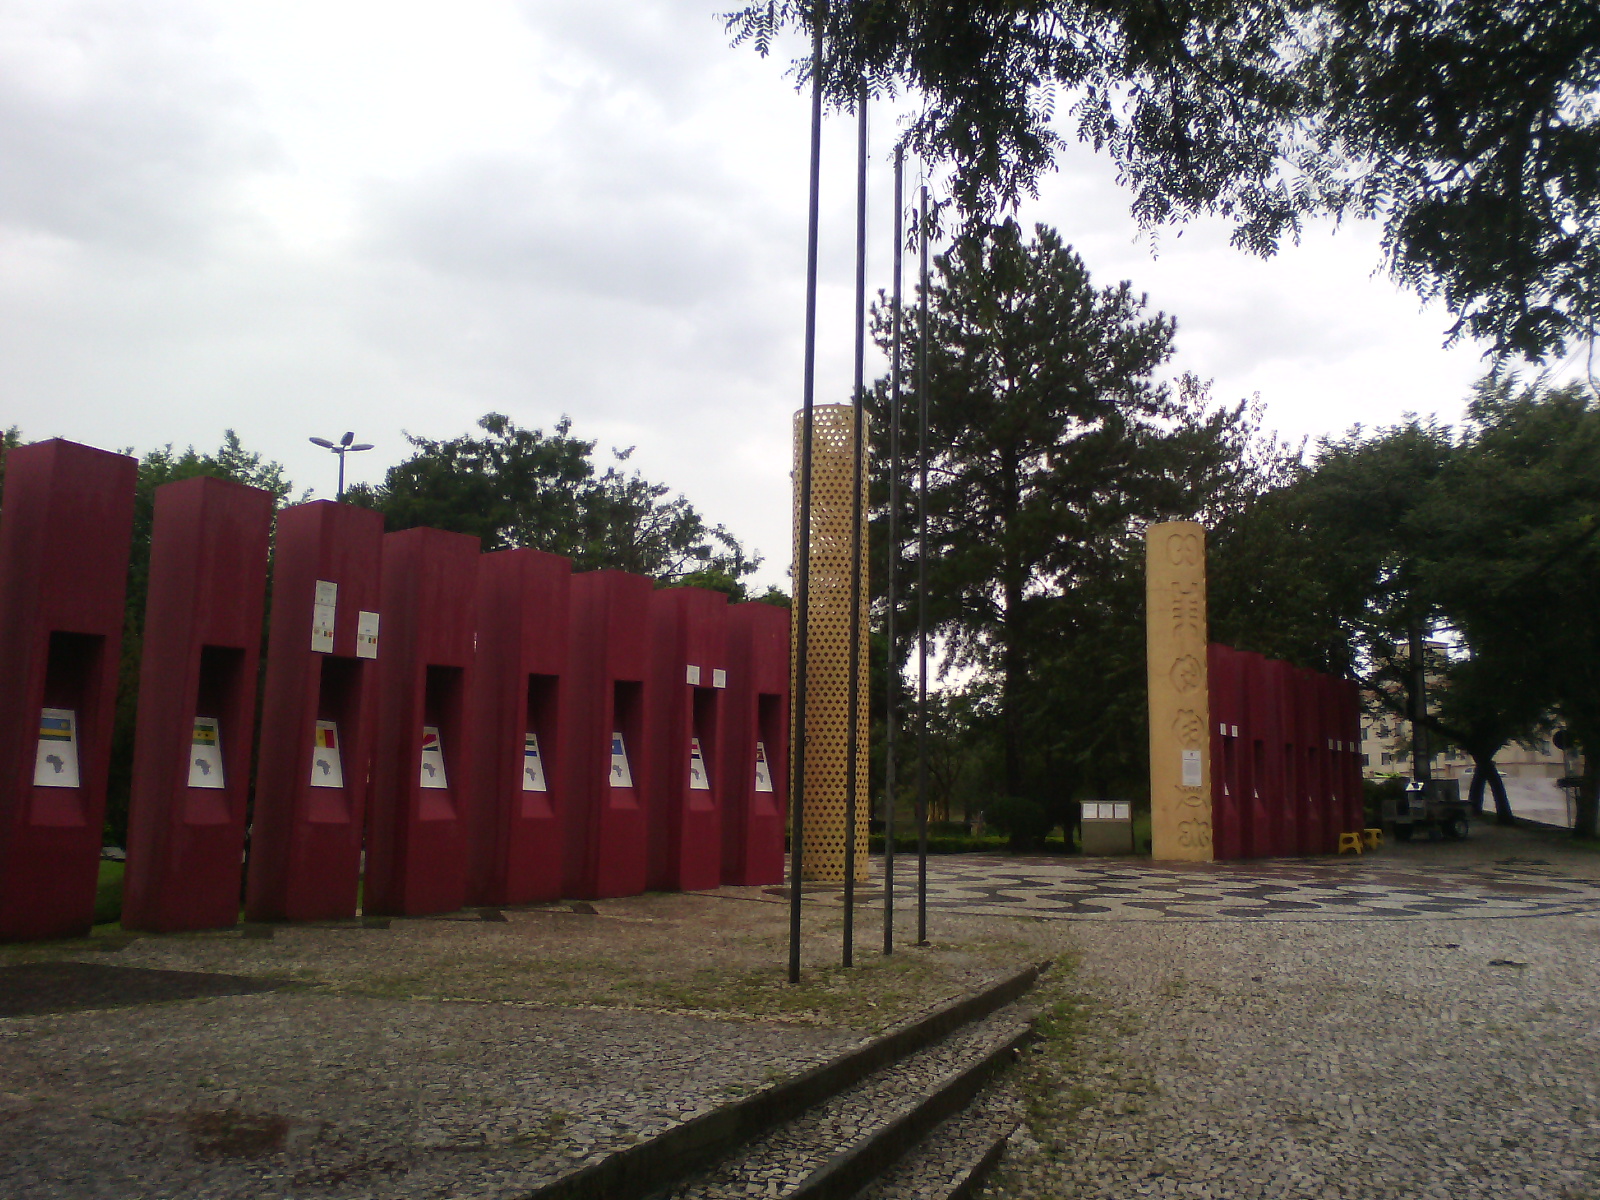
pixel 108 893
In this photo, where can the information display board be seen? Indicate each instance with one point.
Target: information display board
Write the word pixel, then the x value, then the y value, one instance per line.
pixel 424 755
pixel 316 715
pixel 197 704
pixel 518 705
pixel 605 761
pixel 688 657
pixel 754 747
pixel 66 523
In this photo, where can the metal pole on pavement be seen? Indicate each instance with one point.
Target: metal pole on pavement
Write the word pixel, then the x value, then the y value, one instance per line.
pixel 892 675
pixel 858 462
pixel 797 744
pixel 922 586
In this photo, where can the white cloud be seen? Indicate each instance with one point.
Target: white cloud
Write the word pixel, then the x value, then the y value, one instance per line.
pixel 296 218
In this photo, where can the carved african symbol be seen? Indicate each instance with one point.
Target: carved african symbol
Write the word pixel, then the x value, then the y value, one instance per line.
pixel 1188 728
pixel 1186 673
pixel 1188 609
pixel 1190 797
pixel 1195 834
pixel 1183 549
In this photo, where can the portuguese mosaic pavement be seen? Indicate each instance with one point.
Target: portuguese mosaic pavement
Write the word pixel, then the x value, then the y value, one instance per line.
pixel 1054 889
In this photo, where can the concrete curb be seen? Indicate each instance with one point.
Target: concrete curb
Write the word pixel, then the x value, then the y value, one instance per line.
pixel 653 1165
pixel 847 1172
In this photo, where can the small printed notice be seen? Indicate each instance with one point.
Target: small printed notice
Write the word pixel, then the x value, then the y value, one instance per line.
pixel 621 776
pixel 1191 768
pixel 763 769
pixel 719 678
pixel 432 759
pixel 205 755
pixel 327 766
pixel 699 780
pixel 322 613
pixel 56 763
pixel 366 635
pixel 692 675
pixel 532 765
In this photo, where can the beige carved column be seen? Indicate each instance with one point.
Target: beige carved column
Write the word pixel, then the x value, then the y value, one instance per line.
pixel 826 759
pixel 1180 710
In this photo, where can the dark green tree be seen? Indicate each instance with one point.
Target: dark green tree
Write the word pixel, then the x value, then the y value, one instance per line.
pixel 523 487
pixel 1051 442
pixel 1468 127
pixel 1514 555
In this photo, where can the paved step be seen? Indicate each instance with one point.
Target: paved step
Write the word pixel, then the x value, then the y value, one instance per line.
pixel 842 1144
pixel 958 1155
pixel 653 1167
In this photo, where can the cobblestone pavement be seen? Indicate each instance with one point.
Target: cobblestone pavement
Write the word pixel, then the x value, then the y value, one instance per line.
pixel 1445 1055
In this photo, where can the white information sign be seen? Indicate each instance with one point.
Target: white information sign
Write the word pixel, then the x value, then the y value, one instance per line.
pixel 205 755
pixel 699 781
pixel 56 763
pixel 692 675
pixel 322 612
pixel 621 776
pixel 327 764
pixel 1191 768
pixel 719 678
pixel 433 775
pixel 763 769
pixel 532 765
pixel 367 634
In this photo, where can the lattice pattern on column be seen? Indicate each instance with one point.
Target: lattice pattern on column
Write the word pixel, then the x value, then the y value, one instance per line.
pixel 828 677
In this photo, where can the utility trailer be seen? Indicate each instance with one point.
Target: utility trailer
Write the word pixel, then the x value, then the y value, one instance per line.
pixel 1431 808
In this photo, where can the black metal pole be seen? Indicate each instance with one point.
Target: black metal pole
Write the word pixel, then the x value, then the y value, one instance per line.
pixel 802 583
pixel 852 737
pixel 892 675
pixel 341 475
pixel 922 587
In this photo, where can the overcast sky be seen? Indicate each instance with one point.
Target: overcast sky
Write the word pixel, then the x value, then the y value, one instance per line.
pixel 294 218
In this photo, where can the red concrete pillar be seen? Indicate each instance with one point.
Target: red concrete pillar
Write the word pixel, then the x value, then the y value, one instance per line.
pixel 1350 722
pixel 65 533
pixel 312 766
pixel 518 700
pixel 1311 760
pixel 684 722
pixel 1224 678
pixel 1283 761
pixel 755 745
pixel 423 790
pixel 1251 751
pixel 604 754
pixel 197 703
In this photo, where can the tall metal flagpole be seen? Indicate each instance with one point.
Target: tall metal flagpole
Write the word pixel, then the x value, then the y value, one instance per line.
pixel 892 675
pixel 922 586
pixel 852 738
pixel 802 583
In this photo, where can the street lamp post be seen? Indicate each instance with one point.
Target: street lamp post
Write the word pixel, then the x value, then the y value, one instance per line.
pixel 342 448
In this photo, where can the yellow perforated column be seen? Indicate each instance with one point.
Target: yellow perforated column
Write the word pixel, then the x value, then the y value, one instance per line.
pixel 1180 709
pixel 825 759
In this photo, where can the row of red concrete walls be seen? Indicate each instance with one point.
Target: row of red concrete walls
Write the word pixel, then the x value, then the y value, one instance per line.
pixel 627 668
pixel 197 700
pixel 1285 749
pixel 64 544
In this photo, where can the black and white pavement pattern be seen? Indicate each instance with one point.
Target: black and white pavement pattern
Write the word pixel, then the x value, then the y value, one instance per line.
pixel 1057 889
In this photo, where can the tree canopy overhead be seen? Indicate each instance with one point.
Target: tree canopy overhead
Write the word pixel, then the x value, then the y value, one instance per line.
pixel 1470 128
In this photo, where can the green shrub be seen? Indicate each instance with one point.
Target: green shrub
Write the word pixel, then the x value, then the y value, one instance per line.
pixel 1024 820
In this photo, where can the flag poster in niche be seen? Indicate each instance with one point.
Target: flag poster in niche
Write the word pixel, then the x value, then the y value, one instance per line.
pixel 621 776
pixel 433 775
pixel 327 766
pixel 205 755
pixel 532 765
pixel 56 763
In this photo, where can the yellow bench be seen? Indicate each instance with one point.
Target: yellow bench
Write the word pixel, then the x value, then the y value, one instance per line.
pixel 1374 838
pixel 1349 843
